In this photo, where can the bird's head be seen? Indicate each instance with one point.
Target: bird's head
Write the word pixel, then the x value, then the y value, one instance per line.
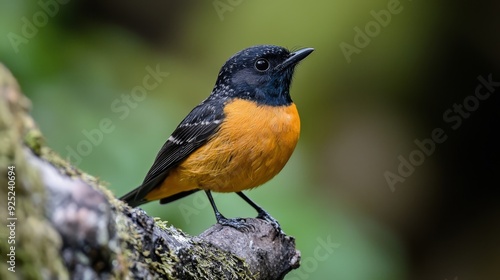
pixel 260 73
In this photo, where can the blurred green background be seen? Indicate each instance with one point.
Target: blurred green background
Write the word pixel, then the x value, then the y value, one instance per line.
pixel 383 75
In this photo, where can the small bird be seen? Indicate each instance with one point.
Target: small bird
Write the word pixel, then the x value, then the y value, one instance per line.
pixel 238 138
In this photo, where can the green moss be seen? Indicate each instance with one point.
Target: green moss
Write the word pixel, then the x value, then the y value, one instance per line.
pixel 34 140
pixel 161 224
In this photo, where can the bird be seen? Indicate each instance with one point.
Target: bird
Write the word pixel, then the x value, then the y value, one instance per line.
pixel 238 138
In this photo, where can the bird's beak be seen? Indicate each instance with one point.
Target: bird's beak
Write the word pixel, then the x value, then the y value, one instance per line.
pixel 294 58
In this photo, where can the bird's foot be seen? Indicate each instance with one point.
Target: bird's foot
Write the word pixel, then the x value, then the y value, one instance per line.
pixel 266 217
pixel 236 223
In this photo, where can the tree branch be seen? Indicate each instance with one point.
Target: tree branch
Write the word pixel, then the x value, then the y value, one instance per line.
pixel 68 225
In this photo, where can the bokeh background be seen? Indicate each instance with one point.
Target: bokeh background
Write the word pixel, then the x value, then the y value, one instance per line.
pixel 383 75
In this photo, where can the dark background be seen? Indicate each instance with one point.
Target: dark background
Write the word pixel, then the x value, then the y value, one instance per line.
pixel 361 113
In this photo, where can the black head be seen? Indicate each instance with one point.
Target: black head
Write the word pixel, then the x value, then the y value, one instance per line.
pixel 260 73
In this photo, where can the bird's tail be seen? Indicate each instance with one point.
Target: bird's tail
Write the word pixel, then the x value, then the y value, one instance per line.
pixel 132 199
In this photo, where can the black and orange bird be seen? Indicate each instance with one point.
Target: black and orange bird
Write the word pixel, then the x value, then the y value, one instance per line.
pixel 238 138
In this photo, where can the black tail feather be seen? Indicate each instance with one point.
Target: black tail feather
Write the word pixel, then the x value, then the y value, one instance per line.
pixel 131 198
pixel 177 196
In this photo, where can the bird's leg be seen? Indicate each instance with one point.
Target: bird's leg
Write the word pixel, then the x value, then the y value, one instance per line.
pixel 237 223
pixel 261 213
pixel 218 215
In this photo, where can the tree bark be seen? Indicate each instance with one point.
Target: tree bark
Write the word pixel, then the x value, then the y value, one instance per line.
pixel 64 224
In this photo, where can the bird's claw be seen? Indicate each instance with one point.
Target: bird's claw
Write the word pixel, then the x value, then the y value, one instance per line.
pixel 236 223
pixel 266 217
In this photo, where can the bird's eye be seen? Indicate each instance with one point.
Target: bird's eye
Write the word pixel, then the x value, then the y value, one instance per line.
pixel 262 64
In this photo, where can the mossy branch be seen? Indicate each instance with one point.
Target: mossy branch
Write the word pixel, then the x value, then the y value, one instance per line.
pixel 68 225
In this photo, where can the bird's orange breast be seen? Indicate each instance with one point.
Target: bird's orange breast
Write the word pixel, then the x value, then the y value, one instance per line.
pixel 252 145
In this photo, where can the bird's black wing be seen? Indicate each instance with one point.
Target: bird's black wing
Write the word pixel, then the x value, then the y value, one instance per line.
pixel 194 131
